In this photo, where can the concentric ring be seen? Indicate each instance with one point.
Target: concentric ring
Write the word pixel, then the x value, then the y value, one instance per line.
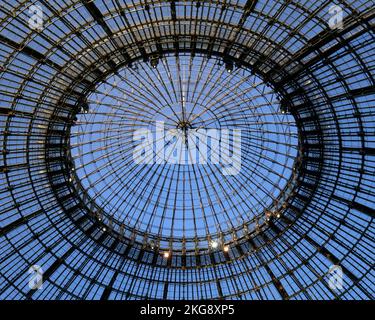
pixel 324 77
pixel 191 201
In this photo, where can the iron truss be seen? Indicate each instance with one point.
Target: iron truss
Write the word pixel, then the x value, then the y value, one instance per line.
pixel 301 92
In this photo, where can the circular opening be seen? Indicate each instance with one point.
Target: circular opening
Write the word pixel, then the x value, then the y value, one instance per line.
pixel 133 148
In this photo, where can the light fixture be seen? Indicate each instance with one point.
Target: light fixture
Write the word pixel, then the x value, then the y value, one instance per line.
pixel 152 244
pixel 284 107
pixel 85 107
pixel 226 248
pixel 229 66
pixel 166 254
pixel 214 244
pixel 154 61
pixel 268 215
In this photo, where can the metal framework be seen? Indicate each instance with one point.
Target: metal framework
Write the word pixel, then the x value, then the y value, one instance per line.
pixel 101 227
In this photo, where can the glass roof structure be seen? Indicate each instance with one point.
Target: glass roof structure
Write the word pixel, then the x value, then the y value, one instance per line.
pixel 79 77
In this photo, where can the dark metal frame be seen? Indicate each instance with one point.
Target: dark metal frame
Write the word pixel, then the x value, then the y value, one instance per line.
pixel 326 80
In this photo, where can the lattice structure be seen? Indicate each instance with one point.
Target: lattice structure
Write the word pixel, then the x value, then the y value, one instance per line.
pixel 103 227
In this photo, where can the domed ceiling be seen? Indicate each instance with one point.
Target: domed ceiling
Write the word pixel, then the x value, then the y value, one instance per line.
pixel 78 78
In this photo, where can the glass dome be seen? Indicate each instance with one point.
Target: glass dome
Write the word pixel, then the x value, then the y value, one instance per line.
pixel 178 203
pixel 80 78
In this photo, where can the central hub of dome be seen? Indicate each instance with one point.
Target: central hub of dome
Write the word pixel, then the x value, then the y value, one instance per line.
pixel 121 144
pixel 184 125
